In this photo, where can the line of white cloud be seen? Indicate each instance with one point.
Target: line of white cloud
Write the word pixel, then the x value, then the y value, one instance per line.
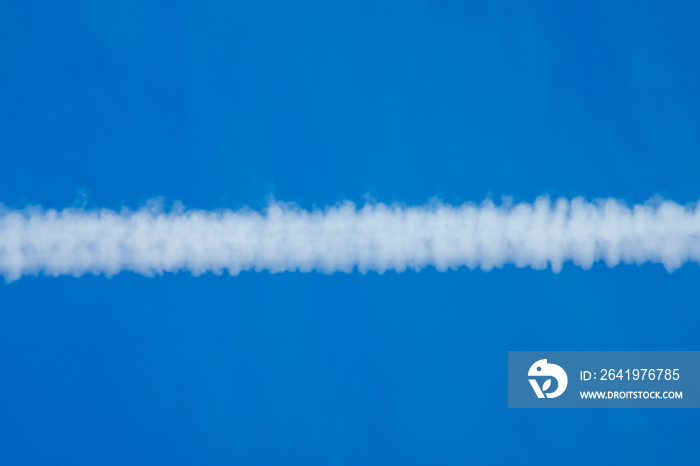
pixel 375 237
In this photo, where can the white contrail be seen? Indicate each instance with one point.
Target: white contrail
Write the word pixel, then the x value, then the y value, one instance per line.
pixel 343 237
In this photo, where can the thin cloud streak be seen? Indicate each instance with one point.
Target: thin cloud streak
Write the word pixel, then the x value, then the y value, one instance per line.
pixel 344 237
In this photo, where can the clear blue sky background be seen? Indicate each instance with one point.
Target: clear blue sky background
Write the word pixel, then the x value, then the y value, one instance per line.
pixel 221 104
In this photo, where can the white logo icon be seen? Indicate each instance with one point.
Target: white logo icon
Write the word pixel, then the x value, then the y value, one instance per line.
pixel 543 369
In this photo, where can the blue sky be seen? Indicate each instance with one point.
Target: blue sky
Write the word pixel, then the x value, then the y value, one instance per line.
pixel 223 104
